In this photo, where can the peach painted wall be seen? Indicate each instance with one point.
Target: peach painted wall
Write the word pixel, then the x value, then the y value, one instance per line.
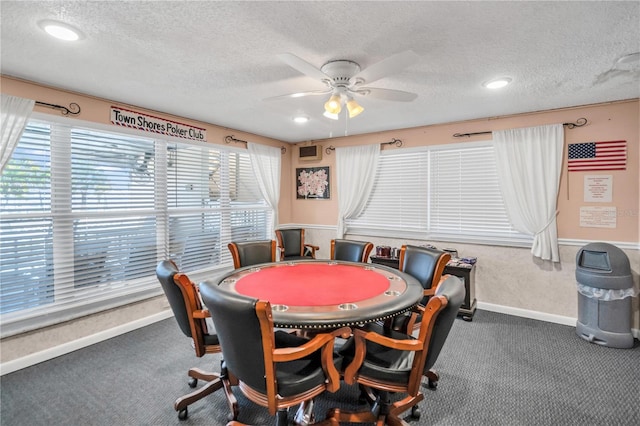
pixel 613 121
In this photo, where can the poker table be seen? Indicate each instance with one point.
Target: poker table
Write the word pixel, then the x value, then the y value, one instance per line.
pixel 324 294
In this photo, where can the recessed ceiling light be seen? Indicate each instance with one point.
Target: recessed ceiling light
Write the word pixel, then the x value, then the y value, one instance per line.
pixel 60 30
pixel 301 119
pixel 497 83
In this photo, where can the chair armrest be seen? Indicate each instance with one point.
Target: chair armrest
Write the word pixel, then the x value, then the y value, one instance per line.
pixel 323 341
pixel 429 291
pixel 312 249
pixel 201 313
pixel 361 336
pixel 281 249
pixel 408 344
pixel 407 323
pixel 309 347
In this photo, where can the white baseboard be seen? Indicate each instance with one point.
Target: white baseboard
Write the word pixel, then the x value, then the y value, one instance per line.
pixel 65 348
pixel 525 313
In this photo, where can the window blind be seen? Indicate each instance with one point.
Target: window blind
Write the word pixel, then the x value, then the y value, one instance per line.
pixel 440 192
pixel 86 214
pixel 399 200
pixel 466 202
pixel 212 201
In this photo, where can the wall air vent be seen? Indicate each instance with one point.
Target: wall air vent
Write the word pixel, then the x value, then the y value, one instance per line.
pixel 310 153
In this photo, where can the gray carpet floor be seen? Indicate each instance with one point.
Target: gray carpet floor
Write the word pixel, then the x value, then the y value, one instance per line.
pixel 495 370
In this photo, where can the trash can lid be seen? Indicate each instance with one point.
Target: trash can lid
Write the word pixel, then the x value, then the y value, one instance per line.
pixel 603 265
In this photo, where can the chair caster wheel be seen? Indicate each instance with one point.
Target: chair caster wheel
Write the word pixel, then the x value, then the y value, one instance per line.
pixel 193 383
pixel 415 412
pixel 183 414
pixel 432 379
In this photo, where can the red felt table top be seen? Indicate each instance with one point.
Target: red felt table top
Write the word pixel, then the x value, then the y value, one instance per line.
pixel 312 284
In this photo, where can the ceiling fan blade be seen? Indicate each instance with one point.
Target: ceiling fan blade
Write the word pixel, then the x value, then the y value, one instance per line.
pixel 391 65
pixel 303 66
pixel 298 95
pixel 386 94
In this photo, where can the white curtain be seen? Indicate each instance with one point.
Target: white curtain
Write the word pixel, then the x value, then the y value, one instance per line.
pixel 15 113
pixel 356 171
pixel 529 163
pixel 266 163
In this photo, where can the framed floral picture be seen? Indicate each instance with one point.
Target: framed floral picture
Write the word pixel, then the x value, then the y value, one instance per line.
pixel 312 183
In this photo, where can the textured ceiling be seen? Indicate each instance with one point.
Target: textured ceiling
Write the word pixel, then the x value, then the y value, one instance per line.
pixel 216 61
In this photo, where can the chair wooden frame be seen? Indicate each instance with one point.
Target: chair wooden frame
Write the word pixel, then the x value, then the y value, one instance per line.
pixel 274 355
pixel 196 316
pixel 303 246
pixel 385 412
pixel 368 246
pixel 274 402
pixel 235 252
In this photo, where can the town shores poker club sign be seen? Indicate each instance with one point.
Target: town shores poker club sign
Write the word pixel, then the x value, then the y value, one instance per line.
pixel 148 123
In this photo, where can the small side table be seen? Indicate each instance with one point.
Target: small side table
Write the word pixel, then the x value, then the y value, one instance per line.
pixel 468 275
pixel 392 262
pixel 464 271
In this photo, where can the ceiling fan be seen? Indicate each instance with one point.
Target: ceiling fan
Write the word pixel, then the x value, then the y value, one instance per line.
pixel 345 80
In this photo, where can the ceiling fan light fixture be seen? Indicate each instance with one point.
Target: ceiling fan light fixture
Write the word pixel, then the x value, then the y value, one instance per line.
pixel 331 115
pixel 333 105
pixel 354 108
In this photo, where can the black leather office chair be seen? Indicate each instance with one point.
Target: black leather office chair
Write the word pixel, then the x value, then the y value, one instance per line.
pixel 187 309
pixel 426 265
pixel 267 373
pixel 386 361
pixel 292 246
pixel 350 250
pixel 248 253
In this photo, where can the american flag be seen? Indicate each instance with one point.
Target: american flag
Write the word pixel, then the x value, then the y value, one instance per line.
pixel 611 155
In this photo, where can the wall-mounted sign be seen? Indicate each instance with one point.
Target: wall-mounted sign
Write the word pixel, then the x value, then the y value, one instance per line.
pixel 598 188
pixel 598 217
pixel 148 123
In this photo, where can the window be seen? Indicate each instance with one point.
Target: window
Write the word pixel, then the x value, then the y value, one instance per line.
pixel 86 215
pixel 443 193
pixel 398 204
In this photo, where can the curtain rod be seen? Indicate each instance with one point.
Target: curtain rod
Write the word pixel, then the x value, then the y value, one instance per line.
pixel 231 139
pixel 579 123
pixel 393 141
pixel 63 109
